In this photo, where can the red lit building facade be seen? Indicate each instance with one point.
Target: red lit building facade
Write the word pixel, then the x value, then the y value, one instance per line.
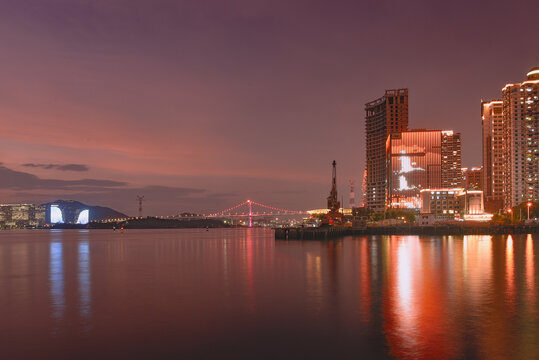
pixel 418 160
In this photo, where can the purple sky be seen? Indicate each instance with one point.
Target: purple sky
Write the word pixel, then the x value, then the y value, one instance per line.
pixel 200 105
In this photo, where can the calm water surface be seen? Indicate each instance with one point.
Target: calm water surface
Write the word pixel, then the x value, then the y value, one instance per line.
pixel 239 294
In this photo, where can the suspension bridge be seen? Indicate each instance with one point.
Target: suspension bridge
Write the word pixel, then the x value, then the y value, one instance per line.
pixel 250 209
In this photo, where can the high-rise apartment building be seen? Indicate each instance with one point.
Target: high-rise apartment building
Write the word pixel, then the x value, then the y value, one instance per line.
pixel 418 160
pixel 451 159
pixel 493 154
pixel 521 140
pixel 384 116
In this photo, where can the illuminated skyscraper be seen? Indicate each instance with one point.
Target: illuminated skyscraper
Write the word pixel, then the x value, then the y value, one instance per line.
pixel 520 140
pixel 493 154
pixel 418 160
pixel 451 159
pixel 384 116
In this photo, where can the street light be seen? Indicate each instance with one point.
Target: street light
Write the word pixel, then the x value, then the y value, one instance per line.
pixel 510 212
pixel 529 206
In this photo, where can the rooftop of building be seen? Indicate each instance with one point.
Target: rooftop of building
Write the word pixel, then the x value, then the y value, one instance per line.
pixel 533 74
pixel 382 99
pixel 447 132
pixel 442 189
pixel 457 191
pixel 532 77
pixel 491 102
pixel 421 130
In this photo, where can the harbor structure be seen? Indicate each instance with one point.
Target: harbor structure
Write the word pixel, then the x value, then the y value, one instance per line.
pixel 333 216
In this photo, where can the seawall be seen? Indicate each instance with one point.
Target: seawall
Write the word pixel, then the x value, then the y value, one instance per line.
pixel 334 232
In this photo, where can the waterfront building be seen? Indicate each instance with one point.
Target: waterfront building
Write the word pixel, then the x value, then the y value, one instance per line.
pixel 472 178
pixel 443 204
pixel 21 215
pixel 450 204
pixel 493 154
pixel 384 116
pixel 521 140
pixel 471 203
pixel 320 212
pixel 421 159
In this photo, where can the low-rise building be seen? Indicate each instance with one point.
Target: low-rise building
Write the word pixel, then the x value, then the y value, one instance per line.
pixel 443 204
pixel 426 219
pixel 450 204
pixel 22 215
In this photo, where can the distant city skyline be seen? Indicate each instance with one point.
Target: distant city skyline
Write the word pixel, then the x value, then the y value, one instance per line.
pixel 199 106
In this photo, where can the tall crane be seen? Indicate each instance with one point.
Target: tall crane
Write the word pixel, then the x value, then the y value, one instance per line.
pixel 333 202
pixel 333 216
pixel 140 199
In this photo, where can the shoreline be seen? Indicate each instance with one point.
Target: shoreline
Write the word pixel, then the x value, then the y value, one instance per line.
pixel 333 232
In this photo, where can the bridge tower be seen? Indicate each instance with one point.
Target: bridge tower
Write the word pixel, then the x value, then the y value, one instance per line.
pixel 250 213
pixel 140 199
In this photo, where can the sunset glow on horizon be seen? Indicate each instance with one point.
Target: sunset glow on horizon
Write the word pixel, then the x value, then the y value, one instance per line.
pixel 201 105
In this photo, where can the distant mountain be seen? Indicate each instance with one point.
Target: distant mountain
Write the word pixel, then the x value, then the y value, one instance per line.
pixel 72 207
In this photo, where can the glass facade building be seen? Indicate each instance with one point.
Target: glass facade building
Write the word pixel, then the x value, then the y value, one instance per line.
pixel 418 160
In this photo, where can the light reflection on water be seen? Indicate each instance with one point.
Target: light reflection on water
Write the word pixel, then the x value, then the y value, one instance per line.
pixel 84 276
pixel 239 293
pixel 56 276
